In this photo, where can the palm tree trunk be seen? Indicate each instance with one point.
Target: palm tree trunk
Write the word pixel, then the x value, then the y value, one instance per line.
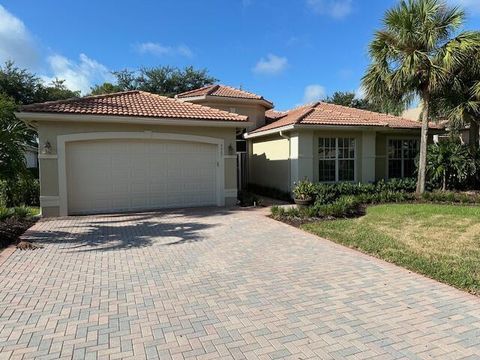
pixel 473 134
pixel 422 164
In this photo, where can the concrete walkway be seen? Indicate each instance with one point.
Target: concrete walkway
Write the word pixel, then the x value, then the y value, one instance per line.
pixel 212 284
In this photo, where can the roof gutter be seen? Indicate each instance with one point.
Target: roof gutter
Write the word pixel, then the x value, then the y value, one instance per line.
pixel 269 132
pixel 333 127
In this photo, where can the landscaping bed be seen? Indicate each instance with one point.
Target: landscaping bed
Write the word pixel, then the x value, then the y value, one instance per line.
pixel 14 222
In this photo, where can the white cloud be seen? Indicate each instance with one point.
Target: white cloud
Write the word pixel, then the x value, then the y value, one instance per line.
pixel 337 9
pixel 161 50
pixel 472 6
pixel 314 93
pixel 360 93
pixel 79 75
pixel 271 65
pixel 16 43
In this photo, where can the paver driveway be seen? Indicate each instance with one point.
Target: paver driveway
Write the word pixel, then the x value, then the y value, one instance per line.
pixel 212 284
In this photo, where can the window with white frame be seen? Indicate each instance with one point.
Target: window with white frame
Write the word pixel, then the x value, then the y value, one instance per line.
pixel 401 157
pixel 336 159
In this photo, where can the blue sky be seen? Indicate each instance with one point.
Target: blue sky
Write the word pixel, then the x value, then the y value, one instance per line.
pixel 290 51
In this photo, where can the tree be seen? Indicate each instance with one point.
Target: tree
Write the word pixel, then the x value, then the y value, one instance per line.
pixel 19 84
pixel 450 164
pixel 162 80
pixel 412 56
pixel 105 88
pixel 14 136
pixel 458 102
pixel 56 90
pixel 350 99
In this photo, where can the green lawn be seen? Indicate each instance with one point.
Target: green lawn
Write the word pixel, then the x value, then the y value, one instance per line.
pixel 440 241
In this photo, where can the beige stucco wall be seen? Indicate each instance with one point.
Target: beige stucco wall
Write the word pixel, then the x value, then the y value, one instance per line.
pixel 255 113
pixel 269 163
pixel 48 131
pixel 278 162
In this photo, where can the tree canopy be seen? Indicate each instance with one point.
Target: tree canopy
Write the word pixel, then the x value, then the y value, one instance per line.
pixel 162 80
pixel 350 99
pixel 21 87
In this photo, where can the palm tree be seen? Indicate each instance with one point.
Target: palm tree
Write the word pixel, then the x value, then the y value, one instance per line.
pixel 412 56
pixel 459 103
pixel 14 136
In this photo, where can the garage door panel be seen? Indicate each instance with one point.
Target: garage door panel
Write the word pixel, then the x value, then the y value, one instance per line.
pixel 128 175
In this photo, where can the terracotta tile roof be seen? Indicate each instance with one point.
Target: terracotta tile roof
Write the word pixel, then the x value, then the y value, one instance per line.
pixel 273 115
pixel 321 113
pixel 221 91
pixel 135 104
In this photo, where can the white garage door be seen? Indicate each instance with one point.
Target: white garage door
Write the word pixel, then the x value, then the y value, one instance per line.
pixel 132 175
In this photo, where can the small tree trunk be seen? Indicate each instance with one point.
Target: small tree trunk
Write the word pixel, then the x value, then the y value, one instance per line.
pixel 444 187
pixel 473 134
pixel 422 164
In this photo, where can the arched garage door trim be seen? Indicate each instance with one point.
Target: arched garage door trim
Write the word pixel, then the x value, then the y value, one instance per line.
pixel 62 140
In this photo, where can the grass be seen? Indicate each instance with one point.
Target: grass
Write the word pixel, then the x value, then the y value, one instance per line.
pixel 439 241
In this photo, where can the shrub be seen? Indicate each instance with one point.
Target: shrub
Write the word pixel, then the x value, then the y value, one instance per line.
pixel 330 193
pixel 24 190
pixel 303 190
pixel 347 199
pixel 451 197
pixel 19 213
pixel 345 206
pixel 3 193
pixel 451 164
pixel 246 199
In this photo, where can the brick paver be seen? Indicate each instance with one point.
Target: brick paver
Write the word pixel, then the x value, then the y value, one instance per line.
pixel 210 284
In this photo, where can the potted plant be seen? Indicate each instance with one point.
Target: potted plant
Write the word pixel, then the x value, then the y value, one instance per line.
pixel 303 193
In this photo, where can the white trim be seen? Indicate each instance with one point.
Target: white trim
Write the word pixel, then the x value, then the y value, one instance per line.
pixel 331 127
pixel 230 99
pixel 47 201
pixel 48 156
pixel 62 140
pixel 268 132
pixel 231 193
pixel 26 116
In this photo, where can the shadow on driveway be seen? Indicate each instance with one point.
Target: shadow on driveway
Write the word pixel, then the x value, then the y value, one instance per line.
pixel 126 231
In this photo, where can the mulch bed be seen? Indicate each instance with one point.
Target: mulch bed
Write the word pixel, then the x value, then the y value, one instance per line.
pixel 11 229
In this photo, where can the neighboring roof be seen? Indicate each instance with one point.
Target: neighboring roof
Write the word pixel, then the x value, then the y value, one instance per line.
pixel 413 114
pixel 321 113
pixel 133 104
pixel 272 115
pixel 222 91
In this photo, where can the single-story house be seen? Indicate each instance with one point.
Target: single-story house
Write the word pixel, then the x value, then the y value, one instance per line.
pixel 136 151
pixel 330 143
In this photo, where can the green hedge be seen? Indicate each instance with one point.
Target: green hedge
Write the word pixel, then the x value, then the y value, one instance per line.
pixel 23 191
pixel 330 193
pixel 452 197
